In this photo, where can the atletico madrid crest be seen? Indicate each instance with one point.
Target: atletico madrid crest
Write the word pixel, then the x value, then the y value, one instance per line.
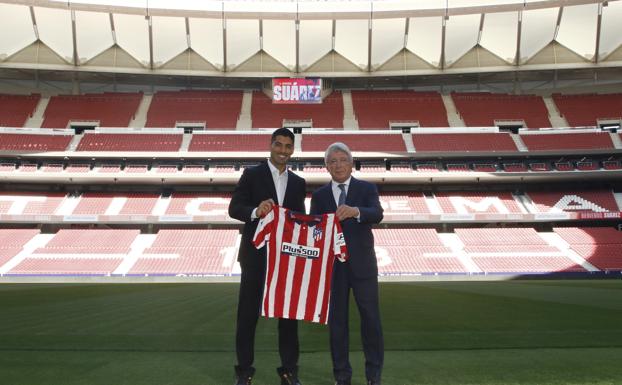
pixel 317 233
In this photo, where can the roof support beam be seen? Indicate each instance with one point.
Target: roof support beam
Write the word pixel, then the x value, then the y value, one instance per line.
pixel 150 24
pixel 481 28
pixel 297 45
pixel 34 22
pixel 74 38
pixel 370 24
pixel 112 30
pixel 224 39
pixel 519 33
pixel 599 24
pixel 406 29
pixel 443 38
pixel 188 41
pixel 560 14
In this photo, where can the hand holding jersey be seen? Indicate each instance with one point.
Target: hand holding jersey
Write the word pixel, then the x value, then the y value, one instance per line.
pixel 301 250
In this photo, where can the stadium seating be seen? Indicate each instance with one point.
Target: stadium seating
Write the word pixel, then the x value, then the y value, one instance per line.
pixel 481 109
pixel 481 142
pixel 477 202
pixel 514 250
pixel 217 109
pixel 376 109
pixel 79 252
pixel 30 203
pixel 357 142
pixel 585 109
pixel 600 246
pixel 16 109
pixel 12 242
pixel 23 142
pixel 399 204
pixel 106 203
pixel 110 109
pixel 129 142
pixel 567 141
pixel 574 201
pixel 225 142
pixel 413 251
pixel 328 114
pixel 189 251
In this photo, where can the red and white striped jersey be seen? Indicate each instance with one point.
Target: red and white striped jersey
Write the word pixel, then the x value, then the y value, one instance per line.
pixel 301 252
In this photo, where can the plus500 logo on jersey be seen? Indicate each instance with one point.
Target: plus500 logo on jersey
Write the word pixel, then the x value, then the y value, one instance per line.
pixel 300 250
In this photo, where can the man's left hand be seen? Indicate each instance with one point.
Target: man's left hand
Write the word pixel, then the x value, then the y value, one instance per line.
pixel 345 212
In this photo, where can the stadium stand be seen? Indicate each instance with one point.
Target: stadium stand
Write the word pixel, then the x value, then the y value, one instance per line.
pixel 217 109
pixel 229 142
pixel 484 142
pixel 106 203
pixel 109 109
pixel 357 142
pixel 483 109
pixel 100 141
pixel 189 251
pixel 478 202
pixel 583 110
pixel 27 142
pixel 328 114
pixel 30 203
pixel 79 252
pixel 567 141
pixel 600 246
pixel 16 109
pixel 414 251
pixel 377 109
pixel 12 242
pixel 573 201
pixel 514 250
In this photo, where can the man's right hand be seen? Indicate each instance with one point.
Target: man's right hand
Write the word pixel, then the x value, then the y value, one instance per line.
pixel 264 208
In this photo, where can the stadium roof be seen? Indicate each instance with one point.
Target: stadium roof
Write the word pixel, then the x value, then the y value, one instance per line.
pixel 309 38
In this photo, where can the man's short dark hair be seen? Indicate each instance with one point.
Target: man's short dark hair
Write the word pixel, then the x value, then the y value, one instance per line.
pixel 282 132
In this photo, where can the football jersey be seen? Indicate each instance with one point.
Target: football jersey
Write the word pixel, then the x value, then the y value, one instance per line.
pixel 301 250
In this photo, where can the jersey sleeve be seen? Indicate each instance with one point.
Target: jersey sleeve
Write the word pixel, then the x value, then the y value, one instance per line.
pixel 339 242
pixel 264 228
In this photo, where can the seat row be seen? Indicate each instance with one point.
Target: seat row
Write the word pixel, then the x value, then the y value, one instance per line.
pixel 372 109
pixel 123 252
pixel 314 142
pixel 212 204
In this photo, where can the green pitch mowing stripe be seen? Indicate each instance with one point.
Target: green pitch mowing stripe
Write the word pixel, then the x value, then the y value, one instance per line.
pixel 517 332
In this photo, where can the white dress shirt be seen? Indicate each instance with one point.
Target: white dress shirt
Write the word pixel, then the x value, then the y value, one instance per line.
pixel 337 192
pixel 280 185
pixel 280 182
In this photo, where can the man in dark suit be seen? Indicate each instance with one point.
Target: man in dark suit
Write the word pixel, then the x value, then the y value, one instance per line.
pixel 357 206
pixel 258 189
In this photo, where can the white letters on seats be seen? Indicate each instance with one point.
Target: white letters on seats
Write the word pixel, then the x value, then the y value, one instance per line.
pixel 19 202
pixel 575 202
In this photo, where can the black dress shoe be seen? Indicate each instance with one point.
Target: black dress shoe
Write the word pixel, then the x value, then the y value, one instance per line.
pixel 243 380
pixel 288 376
pixel 342 382
pixel 373 382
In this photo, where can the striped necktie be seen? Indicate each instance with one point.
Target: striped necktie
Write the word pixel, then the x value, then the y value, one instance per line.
pixel 342 194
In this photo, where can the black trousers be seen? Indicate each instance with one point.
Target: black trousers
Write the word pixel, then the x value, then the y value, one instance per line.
pixel 249 309
pixel 365 292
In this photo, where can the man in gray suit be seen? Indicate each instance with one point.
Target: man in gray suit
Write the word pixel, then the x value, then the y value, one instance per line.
pixel 357 206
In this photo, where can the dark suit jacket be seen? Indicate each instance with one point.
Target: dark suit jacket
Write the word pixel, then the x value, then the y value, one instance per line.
pixel 359 239
pixel 255 185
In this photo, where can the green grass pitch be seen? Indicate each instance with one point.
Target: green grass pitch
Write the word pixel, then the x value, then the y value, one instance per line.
pixel 504 332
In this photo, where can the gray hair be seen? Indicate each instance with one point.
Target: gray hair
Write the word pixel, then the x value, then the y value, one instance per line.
pixel 337 146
